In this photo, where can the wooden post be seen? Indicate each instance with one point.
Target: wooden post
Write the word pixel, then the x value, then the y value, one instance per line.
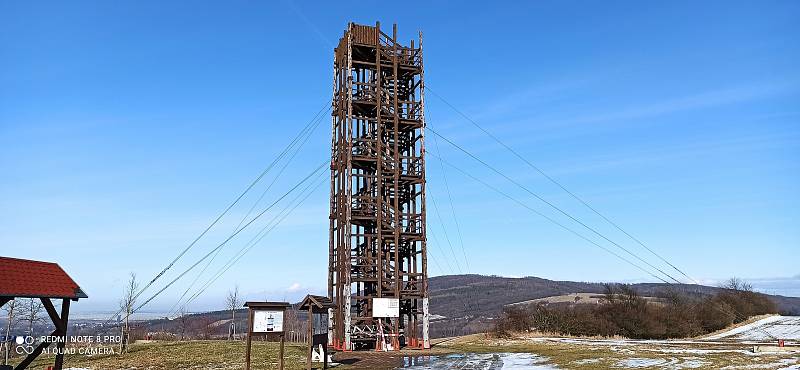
pixel 63 333
pixel 249 339
pixel 324 357
pixel 280 355
pixel 310 322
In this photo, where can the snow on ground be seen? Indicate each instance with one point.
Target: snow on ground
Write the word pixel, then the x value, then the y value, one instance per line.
pixel 662 363
pixel 698 351
pixel 766 329
pixel 633 363
pixel 587 361
pixel 485 361
pixel 788 363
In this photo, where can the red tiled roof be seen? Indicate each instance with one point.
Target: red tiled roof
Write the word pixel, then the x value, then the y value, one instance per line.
pixel 32 279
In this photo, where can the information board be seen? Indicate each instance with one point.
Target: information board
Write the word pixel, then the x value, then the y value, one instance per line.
pixel 320 323
pixel 385 307
pixel 267 321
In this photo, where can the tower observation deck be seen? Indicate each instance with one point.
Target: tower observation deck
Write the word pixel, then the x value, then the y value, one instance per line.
pixel 377 273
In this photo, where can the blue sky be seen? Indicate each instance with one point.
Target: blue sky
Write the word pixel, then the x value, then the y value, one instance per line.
pixel 125 128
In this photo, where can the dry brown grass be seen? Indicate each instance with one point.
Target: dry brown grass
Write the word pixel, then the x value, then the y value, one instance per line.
pixel 187 355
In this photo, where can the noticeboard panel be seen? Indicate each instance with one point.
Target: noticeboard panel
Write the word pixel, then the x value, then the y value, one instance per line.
pixel 320 323
pixel 266 321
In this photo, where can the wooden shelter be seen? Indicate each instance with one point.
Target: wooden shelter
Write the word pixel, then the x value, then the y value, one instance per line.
pixel 317 308
pixel 21 278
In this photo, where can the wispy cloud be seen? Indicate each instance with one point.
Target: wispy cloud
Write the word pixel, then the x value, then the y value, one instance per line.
pixel 704 99
pixel 553 122
pixel 310 25
pixel 647 155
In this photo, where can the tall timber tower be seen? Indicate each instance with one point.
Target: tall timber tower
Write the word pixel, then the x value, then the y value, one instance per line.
pixel 378 274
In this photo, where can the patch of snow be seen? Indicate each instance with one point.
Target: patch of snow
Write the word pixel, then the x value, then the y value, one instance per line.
pixel 599 342
pixel 691 363
pixel 633 363
pixel 772 365
pixel 697 351
pixel 662 363
pixel 524 361
pixel 485 361
pixel 587 361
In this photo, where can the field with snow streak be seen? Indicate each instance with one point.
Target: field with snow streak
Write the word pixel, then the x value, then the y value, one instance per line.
pixel 766 329
pixel 596 354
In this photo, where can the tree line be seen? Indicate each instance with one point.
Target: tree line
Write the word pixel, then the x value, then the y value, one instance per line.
pixel 622 311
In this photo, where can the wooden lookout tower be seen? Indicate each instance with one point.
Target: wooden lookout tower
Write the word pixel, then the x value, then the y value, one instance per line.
pixel 377 264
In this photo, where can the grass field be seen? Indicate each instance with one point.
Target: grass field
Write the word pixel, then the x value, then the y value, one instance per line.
pixel 580 354
pixel 222 355
pixel 187 355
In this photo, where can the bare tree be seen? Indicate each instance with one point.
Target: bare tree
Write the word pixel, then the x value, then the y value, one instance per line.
pixel 126 304
pixel 183 321
pixel 629 295
pixel 33 310
pixel 10 309
pixel 232 302
pixel 205 328
pixel 610 292
pixel 737 284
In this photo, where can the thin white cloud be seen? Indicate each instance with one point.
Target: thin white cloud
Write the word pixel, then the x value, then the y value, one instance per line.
pixel 694 101
pixel 522 128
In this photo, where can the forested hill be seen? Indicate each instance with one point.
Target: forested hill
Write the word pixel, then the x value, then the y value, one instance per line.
pixel 455 296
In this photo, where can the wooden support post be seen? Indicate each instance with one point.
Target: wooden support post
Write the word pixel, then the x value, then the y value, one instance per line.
pixel 62 343
pixel 325 357
pixel 310 324
pixel 280 355
pixel 249 339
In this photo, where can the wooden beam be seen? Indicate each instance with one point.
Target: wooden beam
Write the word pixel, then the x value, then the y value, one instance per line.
pixel 51 310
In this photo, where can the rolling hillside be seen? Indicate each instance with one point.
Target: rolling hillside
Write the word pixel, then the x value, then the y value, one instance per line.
pixel 469 302
pixel 466 304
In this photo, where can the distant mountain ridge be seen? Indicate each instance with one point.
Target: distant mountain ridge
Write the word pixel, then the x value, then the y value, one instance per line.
pixel 466 304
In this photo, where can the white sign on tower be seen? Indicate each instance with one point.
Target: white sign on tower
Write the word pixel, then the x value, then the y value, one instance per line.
pixel 385 307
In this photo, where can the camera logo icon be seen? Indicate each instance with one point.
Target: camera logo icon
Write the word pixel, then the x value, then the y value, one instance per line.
pixel 24 345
